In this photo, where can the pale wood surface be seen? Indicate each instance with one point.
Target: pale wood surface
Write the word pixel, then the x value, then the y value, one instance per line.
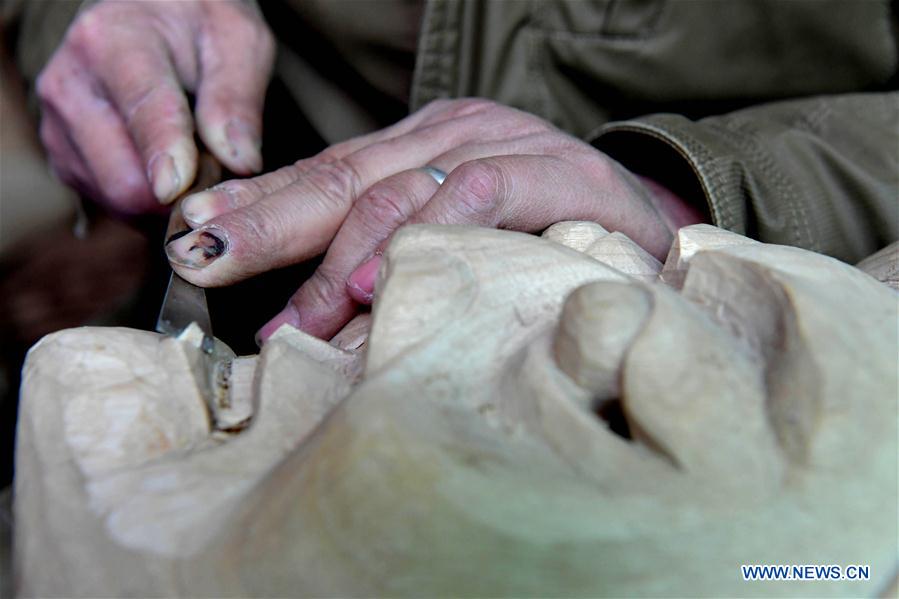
pixel 883 265
pixel 457 450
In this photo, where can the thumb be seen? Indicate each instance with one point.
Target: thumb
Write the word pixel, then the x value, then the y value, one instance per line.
pixel 236 55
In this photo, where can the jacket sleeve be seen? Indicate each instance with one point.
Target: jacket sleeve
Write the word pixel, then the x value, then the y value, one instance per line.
pixel 821 173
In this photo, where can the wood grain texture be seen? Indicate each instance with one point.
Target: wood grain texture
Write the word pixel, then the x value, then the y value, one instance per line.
pixel 883 265
pixel 463 449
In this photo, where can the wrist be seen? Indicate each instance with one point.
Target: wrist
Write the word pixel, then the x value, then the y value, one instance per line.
pixel 669 182
pixel 674 211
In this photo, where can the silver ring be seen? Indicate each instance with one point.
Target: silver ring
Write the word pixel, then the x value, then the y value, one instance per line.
pixel 435 172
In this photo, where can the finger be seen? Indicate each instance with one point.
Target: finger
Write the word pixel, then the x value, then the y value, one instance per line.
pixel 381 211
pixel 228 196
pixel 327 300
pixel 424 144
pixel 98 133
pixel 298 222
pixel 233 195
pixel 65 161
pixel 361 282
pixel 530 192
pixel 144 88
pixel 522 192
pixel 236 56
pixel 323 304
pixel 209 170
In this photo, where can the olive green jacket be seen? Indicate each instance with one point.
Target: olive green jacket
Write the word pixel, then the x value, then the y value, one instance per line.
pixel 780 116
pixel 697 94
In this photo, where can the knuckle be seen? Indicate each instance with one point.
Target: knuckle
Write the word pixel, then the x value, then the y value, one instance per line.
pixel 468 106
pixel 436 106
pixel 551 141
pixel 381 206
pixel 157 102
pixel 241 192
pixel 262 39
pixel 478 185
pixel 336 180
pixel 278 179
pixel 324 285
pixel 92 31
pixel 534 125
pixel 244 24
pixel 256 233
pixel 329 154
pixel 250 32
pixel 458 107
pixel 48 85
pixel 88 29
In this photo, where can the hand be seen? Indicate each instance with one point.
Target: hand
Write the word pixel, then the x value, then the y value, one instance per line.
pixel 115 118
pixel 506 169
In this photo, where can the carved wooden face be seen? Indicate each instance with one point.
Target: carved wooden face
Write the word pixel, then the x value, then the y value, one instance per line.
pixel 523 418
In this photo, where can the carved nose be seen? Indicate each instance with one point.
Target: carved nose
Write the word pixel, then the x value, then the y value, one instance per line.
pixel 598 324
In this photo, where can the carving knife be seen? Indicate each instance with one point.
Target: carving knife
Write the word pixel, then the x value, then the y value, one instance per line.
pixel 185 302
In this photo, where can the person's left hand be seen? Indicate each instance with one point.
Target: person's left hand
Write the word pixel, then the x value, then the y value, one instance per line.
pixel 506 169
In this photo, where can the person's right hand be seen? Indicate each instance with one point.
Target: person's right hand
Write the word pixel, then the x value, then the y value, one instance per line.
pixel 115 116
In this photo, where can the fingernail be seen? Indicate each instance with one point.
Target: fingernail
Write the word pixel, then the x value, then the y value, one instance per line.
pixel 244 145
pixel 197 249
pixel 164 177
pixel 361 282
pixel 206 205
pixel 177 235
pixel 289 316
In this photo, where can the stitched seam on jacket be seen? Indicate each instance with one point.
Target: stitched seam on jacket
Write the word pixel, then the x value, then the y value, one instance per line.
pixel 695 155
pixel 782 184
pixel 719 176
pixel 649 30
pixel 430 79
pixel 812 120
pixel 537 65
pixel 714 178
pixel 416 98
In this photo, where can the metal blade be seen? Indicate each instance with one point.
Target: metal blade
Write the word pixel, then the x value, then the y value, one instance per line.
pixel 184 303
